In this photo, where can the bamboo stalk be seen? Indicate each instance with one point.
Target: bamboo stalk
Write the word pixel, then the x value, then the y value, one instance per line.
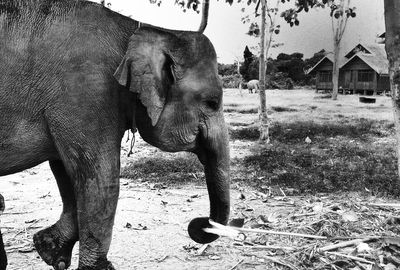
pixel 347 243
pixel 281 233
pixel 234 231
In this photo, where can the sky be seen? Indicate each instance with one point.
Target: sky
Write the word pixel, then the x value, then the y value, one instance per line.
pixel 228 33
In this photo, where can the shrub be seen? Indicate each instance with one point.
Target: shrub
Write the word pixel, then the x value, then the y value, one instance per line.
pixel 231 81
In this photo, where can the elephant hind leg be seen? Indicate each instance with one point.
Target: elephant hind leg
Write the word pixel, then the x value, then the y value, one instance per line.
pixel 54 244
pixel 3 256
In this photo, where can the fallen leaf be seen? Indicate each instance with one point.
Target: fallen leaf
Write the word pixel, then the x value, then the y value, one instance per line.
pixel 214 257
pixel 363 247
pixel 318 207
pixel 273 217
pixel 349 216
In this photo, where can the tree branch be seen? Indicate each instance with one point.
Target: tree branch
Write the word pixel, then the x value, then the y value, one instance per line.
pixel 204 17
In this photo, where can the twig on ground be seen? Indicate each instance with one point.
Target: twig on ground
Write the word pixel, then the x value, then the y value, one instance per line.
pixel 201 250
pixel 354 258
pixel 16 213
pixel 236 265
pixel 361 265
pixel 393 205
pixel 278 261
pixel 304 215
pixel 283 193
pixel 19 247
pixel 273 247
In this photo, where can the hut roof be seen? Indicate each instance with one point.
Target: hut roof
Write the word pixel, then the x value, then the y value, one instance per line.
pixel 374 56
pixel 328 57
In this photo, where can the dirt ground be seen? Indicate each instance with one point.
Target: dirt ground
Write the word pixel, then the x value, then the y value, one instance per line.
pixel 150 230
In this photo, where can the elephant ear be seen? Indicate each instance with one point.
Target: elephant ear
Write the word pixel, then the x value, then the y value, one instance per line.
pixel 146 69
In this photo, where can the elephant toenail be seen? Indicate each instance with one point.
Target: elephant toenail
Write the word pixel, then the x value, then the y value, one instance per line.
pixel 61 266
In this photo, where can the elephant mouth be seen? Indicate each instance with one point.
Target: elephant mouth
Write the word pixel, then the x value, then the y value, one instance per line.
pixel 177 141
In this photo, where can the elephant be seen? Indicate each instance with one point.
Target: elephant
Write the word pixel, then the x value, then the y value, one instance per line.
pixel 3 257
pixel 253 85
pixel 74 77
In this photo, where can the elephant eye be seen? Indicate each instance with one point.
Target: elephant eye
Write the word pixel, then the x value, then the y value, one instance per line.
pixel 213 103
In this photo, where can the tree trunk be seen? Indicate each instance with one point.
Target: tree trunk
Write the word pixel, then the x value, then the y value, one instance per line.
pixel 264 123
pixel 241 79
pixel 335 69
pixel 392 22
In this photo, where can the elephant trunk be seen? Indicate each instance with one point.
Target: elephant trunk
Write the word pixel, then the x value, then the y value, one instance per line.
pixel 214 155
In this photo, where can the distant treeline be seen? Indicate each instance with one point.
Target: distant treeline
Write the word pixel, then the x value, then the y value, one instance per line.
pixel 283 72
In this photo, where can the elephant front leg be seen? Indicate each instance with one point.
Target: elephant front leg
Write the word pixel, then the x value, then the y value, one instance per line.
pixel 97 196
pixel 54 244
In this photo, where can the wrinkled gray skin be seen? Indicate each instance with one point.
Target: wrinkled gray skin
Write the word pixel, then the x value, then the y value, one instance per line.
pixel 253 85
pixel 74 76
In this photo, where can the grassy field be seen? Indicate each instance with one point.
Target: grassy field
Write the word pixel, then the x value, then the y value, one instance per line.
pixel 351 149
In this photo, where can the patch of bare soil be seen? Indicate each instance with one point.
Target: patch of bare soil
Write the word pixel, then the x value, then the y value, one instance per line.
pixel 150 227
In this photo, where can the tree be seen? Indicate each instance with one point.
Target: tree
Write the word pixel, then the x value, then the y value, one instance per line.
pixel 292 65
pixel 392 40
pixel 227 69
pixel 264 121
pixel 265 32
pixel 245 67
pixel 249 68
pixel 339 23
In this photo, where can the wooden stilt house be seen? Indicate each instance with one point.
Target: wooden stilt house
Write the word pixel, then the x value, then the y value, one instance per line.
pixel 364 70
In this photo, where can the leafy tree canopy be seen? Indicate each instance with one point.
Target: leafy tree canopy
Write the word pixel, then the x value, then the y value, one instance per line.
pixel 290 15
pixel 310 62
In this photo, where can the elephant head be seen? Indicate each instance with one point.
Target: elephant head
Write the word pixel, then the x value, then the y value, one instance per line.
pixel 174 76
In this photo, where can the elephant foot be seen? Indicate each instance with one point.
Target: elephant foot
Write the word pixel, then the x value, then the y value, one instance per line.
pixel 53 248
